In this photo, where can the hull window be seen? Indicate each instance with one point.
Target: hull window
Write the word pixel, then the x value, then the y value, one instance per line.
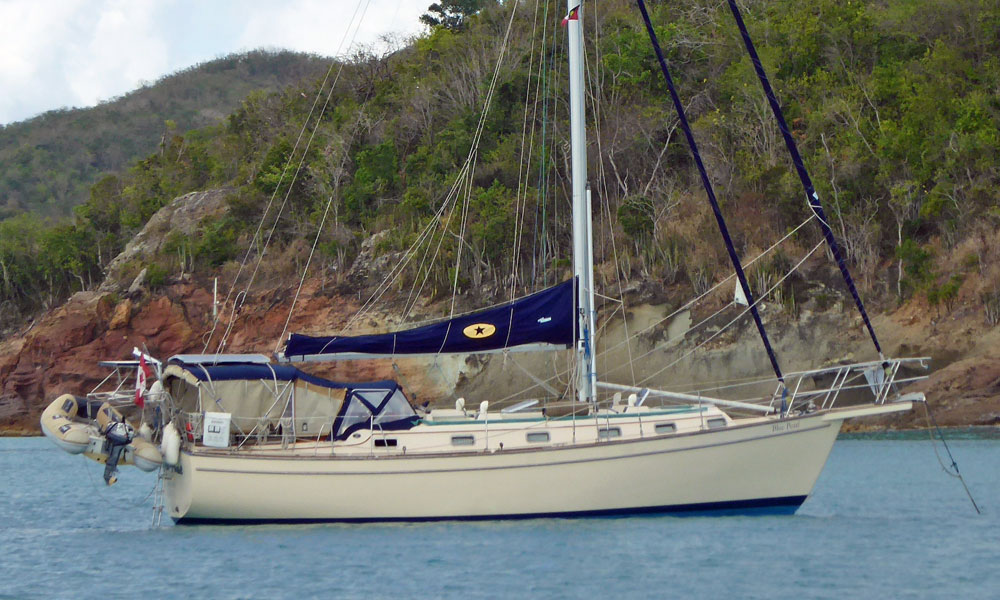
pixel 716 423
pixel 463 440
pixel 662 428
pixel 386 443
pixel 538 437
pixel 609 433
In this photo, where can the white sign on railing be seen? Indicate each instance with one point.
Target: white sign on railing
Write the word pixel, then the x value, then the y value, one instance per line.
pixel 216 432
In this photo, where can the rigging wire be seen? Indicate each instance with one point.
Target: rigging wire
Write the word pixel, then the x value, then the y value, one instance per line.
pixel 524 165
pixel 540 256
pixel 312 251
pixel 595 78
pixel 707 184
pixel 428 234
pixel 540 243
pixel 807 185
pixel 462 183
pixel 691 303
pixel 953 469
pixel 319 94
pixel 749 309
pixel 482 121
pixel 284 202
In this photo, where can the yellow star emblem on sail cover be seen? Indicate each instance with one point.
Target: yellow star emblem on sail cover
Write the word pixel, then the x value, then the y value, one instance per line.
pixel 478 331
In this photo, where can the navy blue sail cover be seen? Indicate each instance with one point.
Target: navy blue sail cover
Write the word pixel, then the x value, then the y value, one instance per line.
pixel 379 404
pixel 544 317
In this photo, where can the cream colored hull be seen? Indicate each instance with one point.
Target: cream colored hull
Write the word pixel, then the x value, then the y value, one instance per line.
pixel 769 464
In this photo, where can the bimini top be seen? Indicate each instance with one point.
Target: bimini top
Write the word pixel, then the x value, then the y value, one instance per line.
pixel 542 321
pixel 228 371
pixel 254 391
pixel 218 359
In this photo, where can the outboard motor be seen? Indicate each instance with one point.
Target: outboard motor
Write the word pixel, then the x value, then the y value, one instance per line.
pixel 117 435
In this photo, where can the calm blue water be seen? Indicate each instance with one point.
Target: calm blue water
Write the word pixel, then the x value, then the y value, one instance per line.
pixel 883 522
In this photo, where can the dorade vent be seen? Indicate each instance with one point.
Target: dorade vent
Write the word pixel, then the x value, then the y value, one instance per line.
pixel 609 433
pixel 664 428
pixel 537 437
pixel 463 440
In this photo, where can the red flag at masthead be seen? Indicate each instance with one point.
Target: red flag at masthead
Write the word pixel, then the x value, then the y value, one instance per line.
pixel 573 15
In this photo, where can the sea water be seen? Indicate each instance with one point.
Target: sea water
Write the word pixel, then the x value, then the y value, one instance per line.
pixel 884 521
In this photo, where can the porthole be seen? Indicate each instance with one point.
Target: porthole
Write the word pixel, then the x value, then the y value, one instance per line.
pixel 538 437
pixel 463 440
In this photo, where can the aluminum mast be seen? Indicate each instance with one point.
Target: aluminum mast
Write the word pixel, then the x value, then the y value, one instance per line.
pixel 583 259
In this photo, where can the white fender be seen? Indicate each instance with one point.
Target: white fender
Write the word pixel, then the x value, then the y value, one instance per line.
pixel 171 445
pixel 155 390
pixel 58 425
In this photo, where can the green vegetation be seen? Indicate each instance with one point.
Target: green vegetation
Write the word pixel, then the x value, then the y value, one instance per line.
pixel 451 13
pixel 48 163
pixel 895 104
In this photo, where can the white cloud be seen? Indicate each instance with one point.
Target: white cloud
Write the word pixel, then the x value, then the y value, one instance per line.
pixel 64 53
pixel 344 23
pixel 119 49
pixel 30 38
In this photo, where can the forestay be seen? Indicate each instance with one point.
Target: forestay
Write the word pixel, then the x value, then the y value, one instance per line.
pixel 544 320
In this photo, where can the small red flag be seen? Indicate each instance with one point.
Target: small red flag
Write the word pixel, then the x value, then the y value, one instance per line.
pixel 140 381
pixel 572 16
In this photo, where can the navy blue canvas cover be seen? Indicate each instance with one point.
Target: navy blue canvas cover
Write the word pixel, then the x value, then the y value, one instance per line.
pixel 545 317
pixel 272 372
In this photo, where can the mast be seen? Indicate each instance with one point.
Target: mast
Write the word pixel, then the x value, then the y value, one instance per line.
pixel 583 255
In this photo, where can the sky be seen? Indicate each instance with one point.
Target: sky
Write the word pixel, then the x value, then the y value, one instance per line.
pixel 77 53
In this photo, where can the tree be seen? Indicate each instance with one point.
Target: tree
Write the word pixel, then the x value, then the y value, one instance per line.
pixel 451 14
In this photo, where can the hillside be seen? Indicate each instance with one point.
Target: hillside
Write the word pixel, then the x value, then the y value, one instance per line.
pixel 48 163
pixel 896 113
pixel 60 351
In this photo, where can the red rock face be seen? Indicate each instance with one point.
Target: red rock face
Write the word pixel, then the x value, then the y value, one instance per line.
pixel 60 352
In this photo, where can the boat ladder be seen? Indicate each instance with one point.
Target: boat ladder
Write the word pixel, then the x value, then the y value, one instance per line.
pixel 158 499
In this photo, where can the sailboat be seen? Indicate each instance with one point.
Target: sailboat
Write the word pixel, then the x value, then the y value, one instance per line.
pixel 248 439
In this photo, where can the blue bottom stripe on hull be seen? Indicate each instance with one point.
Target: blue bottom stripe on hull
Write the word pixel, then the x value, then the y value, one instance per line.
pixel 785 505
